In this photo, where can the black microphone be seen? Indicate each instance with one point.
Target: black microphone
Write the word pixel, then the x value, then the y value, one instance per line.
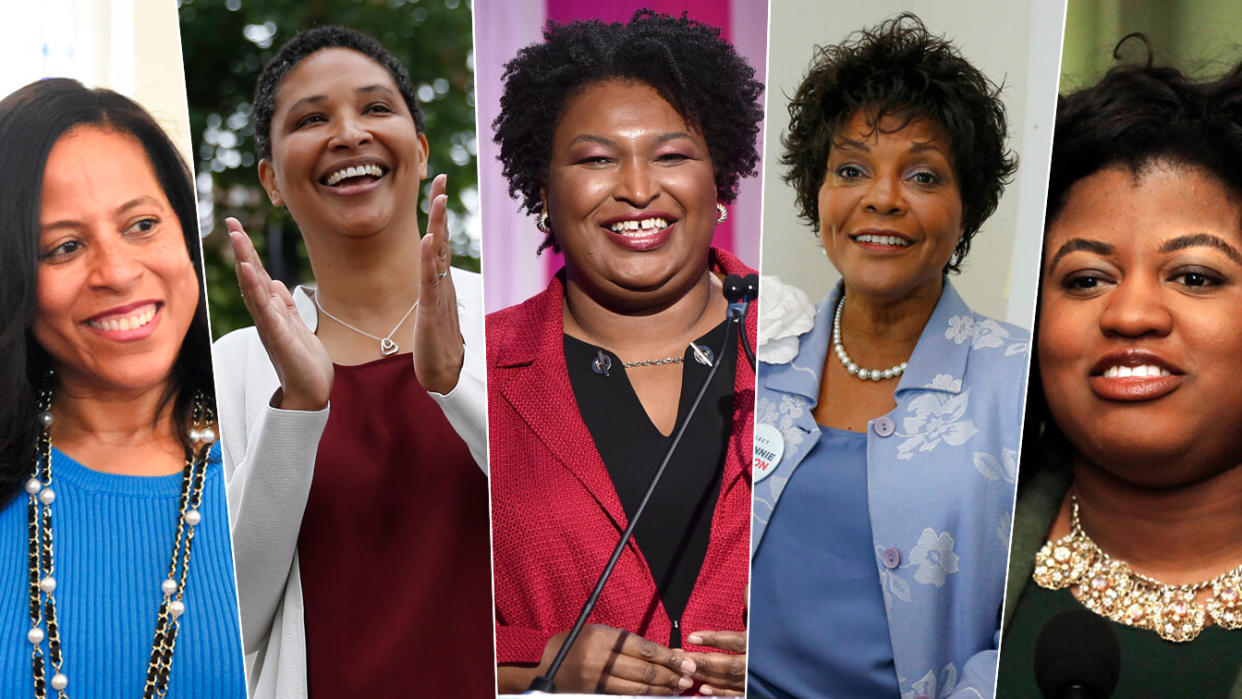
pixel 751 286
pixel 1077 657
pixel 739 292
pixel 544 684
pixel 733 288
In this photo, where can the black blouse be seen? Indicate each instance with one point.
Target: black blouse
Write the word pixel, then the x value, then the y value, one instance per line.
pixel 675 528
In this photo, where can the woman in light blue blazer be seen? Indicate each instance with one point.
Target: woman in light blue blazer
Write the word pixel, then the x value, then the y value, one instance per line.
pixel 888 416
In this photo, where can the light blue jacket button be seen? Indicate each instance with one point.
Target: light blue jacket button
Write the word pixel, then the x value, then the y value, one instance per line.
pixel 883 426
pixel 891 558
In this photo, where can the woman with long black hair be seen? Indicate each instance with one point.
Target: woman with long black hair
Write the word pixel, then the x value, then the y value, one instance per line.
pixel 108 473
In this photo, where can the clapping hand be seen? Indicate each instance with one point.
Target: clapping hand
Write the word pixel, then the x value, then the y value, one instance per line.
pixel 301 362
pixel 439 349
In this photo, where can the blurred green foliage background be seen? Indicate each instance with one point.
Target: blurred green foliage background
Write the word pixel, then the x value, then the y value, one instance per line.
pixel 1202 38
pixel 225 43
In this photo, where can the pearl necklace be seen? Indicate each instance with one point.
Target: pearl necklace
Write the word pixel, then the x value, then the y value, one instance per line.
pixel 387 345
pixel 43 623
pixel 850 367
pixel 1109 588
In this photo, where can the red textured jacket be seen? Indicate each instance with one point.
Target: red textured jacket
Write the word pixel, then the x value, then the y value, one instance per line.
pixel 555 514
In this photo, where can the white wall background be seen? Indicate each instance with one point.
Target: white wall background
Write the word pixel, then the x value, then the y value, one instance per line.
pixel 1016 44
pixel 130 46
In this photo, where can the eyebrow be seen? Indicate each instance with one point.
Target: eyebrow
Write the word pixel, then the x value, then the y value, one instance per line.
pixel 926 147
pixel 134 203
pixel 916 148
pixel 144 200
pixel 842 143
pixel 377 87
pixel 1076 244
pixel 365 89
pixel 1202 240
pixel 662 138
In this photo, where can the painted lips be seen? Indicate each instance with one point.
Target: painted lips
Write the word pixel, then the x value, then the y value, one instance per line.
pixel 641 234
pixel 1134 376
pixel 127 323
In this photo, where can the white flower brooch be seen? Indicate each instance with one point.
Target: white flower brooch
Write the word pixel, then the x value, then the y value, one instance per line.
pixel 785 313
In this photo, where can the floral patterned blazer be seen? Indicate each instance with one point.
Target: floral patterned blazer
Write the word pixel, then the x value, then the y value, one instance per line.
pixel 941 472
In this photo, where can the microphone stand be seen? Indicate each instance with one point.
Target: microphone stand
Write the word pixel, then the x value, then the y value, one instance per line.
pixel 544 683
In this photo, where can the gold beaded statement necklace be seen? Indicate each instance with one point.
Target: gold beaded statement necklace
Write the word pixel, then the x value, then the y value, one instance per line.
pixel 43 624
pixel 1109 588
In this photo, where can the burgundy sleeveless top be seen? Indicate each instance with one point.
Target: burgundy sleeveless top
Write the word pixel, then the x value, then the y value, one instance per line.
pixel 394 549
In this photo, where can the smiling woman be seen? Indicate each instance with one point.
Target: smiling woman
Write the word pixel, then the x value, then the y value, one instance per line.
pixel 334 99
pixel 108 417
pixel 632 196
pixel 97 182
pixel 898 445
pixel 1133 454
pixel 629 157
pixel 1141 258
pixel 886 165
pixel 365 387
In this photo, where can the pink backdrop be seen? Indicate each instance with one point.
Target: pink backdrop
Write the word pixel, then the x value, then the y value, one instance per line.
pixel 511 271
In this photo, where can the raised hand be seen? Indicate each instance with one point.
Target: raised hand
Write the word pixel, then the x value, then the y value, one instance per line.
pixel 722 674
pixel 301 362
pixel 439 348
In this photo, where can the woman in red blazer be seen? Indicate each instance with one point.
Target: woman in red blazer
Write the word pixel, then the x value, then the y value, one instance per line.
pixel 621 140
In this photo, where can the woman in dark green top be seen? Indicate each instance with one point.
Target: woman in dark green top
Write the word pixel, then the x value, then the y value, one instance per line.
pixel 1132 482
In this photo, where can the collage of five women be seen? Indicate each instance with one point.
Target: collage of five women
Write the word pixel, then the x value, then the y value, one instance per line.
pixel 630 347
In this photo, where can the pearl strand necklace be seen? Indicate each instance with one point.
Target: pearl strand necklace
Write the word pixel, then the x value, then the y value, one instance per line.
pixel 852 368
pixel 42 564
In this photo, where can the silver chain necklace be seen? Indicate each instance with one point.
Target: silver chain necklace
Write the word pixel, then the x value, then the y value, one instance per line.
pixel 387 345
pixel 602 363
pixel 852 368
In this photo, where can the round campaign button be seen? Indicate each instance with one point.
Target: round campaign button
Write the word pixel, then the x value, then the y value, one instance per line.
pixel 769 446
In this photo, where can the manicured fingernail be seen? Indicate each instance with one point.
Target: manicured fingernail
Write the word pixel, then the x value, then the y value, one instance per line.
pixel 695 639
pixel 688 666
pixel 685 683
pixel 706 690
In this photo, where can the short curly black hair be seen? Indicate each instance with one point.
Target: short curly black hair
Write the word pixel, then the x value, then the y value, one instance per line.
pixel 899 69
pixel 304 44
pixel 1138 116
pixel 684 60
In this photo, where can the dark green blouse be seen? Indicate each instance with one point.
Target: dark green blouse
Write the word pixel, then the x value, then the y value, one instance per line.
pixel 1208 667
pixel 1150 666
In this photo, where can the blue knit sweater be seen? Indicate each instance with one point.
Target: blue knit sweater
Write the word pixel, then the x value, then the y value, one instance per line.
pixel 113 538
